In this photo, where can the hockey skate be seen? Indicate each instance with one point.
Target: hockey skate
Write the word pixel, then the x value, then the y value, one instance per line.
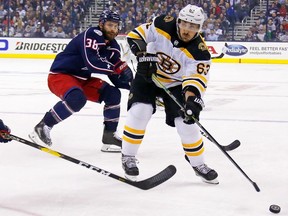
pixel 207 174
pixel 111 142
pixel 41 134
pixel 130 167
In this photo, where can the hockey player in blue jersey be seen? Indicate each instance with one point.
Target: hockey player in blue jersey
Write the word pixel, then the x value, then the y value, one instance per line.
pixel 94 51
pixel 4 130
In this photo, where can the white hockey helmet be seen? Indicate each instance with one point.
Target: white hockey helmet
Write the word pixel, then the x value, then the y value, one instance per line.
pixel 193 14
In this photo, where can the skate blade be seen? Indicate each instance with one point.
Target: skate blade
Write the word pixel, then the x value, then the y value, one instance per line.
pixel 34 137
pixel 110 148
pixel 130 177
pixel 214 181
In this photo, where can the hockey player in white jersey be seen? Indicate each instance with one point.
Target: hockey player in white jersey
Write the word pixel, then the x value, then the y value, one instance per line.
pixel 173 50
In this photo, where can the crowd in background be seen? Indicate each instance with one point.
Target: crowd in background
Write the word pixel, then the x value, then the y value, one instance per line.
pixel 61 19
pixel 271 25
pixel 220 15
pixel 41 18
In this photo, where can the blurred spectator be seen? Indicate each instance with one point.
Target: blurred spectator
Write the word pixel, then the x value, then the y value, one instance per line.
pixel 285 24
pixel 50 33
pixel 212 36
pixel 250 37
pixel 73 33
pixel 219 32
pixel 60 33
pixel 275 19
pixel 3 12
pixel 215 9
pixel 262 18
pixel 242 10
pixel 271 30
pixel 67 28
pixel 38 33
pixel 283 11
pixel 205 30
pixel 272 9
pixel 230 13
pixel 284 38
pixel 261 34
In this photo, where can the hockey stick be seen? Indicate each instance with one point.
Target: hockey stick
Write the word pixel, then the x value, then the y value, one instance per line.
pixel 222 54
pixel 235 144
pixel 145 184
pixel 160 84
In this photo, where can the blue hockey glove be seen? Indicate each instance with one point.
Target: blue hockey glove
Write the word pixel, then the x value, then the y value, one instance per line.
pixel 4 129
pixel 193 107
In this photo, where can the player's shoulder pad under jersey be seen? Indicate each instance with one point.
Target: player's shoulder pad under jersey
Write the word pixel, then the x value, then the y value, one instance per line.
pixel 198 49
pixel 166 23
pixel 95 33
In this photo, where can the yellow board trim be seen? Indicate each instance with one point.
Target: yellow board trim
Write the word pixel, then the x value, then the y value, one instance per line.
pixel 250 61
pixel 28 56
pixel 223 60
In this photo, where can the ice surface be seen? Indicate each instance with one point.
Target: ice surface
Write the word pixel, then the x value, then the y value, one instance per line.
pixel 243 101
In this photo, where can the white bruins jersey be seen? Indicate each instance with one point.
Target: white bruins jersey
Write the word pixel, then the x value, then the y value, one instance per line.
pixel 179 63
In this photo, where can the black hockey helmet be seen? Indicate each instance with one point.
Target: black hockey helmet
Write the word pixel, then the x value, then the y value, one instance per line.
pixel 109 15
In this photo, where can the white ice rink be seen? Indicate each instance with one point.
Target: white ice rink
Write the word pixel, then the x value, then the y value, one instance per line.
pixel 243 101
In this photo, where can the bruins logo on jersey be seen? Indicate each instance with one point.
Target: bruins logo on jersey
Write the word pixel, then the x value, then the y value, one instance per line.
pixel 166 64
pixel 168 18
pixel 202 47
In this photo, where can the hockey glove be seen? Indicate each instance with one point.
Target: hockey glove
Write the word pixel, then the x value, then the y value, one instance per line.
pixel 118 82
pixel 121 68
pixel 147 66
pixel 193 107
pixel 5 130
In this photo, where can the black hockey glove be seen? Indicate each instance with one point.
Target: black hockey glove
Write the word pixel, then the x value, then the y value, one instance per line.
pixel 147 66
pixel 193 107
pixel 4 129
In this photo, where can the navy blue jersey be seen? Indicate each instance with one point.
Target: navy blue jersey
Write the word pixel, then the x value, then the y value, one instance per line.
pixel 87 53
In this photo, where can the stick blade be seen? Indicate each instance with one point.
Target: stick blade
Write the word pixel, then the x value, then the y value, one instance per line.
pixel 235 144
pixel 157 179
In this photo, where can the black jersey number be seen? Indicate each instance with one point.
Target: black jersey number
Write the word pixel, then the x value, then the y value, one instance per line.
pixel 203 68
pixel 148 25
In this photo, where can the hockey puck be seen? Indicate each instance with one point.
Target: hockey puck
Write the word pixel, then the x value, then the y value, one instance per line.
pixel 275 209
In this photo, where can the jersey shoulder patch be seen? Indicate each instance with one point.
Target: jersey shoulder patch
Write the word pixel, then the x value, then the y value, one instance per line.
pixel 95 33
pixel 198 49
pixel 98 32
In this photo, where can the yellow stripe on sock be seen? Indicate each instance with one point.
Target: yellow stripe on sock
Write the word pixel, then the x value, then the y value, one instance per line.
pixel 134 131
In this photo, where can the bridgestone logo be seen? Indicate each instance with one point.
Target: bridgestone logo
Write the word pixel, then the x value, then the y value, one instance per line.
pixel 54 47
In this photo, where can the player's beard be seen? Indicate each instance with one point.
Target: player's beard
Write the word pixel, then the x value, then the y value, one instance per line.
pixel 109 35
